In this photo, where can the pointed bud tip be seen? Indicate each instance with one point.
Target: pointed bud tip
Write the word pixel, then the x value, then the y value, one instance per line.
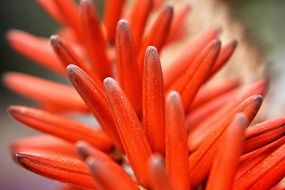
pixel 13 110
pixel 81 148
pixel 13 33
pixel 71 69
pixel 151 49
pixel 109 82
pixel 54 39
pixel 123 23
pixel 173 96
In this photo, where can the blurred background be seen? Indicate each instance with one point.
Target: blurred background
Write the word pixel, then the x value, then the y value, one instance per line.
pixel 264 20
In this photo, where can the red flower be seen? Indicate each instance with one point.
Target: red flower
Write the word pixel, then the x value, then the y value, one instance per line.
pixel 160 127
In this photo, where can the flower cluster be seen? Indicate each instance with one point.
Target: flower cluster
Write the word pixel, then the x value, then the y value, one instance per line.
pixel 160 127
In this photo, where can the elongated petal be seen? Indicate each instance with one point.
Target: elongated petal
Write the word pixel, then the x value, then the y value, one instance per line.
pixel 127 65
pixel 94 40
pixel 201 131
pixel 201 160
pixel 105 170
pixel 132 135
pixel 112 13
pixel 264 127
pixel 264 139
pixel 191 80
pixel 157 35
pixel 56 95
pixel 91 92
pixel 203 112
pixel 68 55
pixel 208 93
pixel 64 169
pixel 35 48
pixel 226 52
pixel 43 144
pixel 153 101
pixel 266 174
pixel 265 150
pixel 177 29
pixel 61 127
pixel 188 54
pixel 70 12
pixel 227 157
pixel 138 19
pixel 176 143
pixel 158 177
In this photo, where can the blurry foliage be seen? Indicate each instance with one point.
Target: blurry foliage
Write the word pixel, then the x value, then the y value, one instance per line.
pixel 264 20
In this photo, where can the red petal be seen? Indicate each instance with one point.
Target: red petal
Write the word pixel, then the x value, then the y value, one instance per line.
pixel 177 163
pixel 227 157
pixel 188 54
pixel 177 30
pixel 191 80
pixel 105 170
pixel 43 144
pixel 264 133
pixel 265 174
pixel 61 127
pixel 35 48
pixel 92 93
pixel 70 12
pixel 226 52
pixel 131 132
pixel 202 113
pixel 56 95
pixel 210 92
pixel 112 13
pixel 201 159
pixel 127 65
pixel 158 177
pixel 153 101
pixel 57 167
pixel 138 18
pixel 68 55
pixel 94 40
pixel 157 34
pixel 200 132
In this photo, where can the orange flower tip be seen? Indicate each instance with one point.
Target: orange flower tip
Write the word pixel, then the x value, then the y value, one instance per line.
pixel 72 71
pixel 16 110
pixel 173 96
pixel 81 148
pixel 258 99
pixel 24 159
pixel 13 34
pixel 152 51
pixel 123 23
pixel 54 40
pixel 109 82
pixel 216 43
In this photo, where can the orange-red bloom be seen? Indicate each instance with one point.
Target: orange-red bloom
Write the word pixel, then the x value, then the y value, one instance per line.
pixel 159 127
